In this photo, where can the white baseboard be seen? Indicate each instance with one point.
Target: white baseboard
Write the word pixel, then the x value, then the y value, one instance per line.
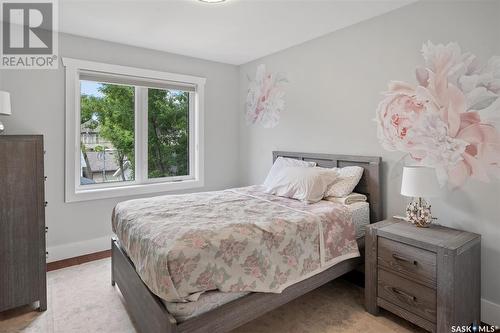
pixel 71 250
pixel 490 312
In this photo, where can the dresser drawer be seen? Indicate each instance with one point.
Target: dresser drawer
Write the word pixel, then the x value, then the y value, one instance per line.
pixel 415 263
pixel 409 295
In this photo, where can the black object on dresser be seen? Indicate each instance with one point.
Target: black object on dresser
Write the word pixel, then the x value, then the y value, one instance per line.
pixel 22 222
pixel 429 276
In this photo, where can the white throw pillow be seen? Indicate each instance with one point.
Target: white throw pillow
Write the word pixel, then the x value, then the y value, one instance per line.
pixel 345 183
pixel 283 162
pixel 302 183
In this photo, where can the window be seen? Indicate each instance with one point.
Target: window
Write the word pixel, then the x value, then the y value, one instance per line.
pixel 107 132
pixel 168 133
pixel 131 131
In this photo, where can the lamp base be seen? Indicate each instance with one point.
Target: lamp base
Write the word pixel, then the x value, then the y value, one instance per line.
pixel 418 212
pixel 2 128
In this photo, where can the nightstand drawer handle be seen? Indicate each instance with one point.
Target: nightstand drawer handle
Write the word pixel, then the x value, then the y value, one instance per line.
pixel 400 258
pixel 402 293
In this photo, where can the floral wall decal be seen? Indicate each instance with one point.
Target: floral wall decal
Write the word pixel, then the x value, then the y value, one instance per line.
pixel 448 120
pixel 265 98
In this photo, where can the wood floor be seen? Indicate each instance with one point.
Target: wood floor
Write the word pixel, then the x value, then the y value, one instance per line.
pixel 52 266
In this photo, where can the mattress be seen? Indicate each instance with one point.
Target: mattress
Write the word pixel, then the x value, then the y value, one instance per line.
pixel 360 216
pixel 210 300
pixel 236 240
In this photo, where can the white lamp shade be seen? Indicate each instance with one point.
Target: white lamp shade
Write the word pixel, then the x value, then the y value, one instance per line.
pixel 419 182
pixel 5 103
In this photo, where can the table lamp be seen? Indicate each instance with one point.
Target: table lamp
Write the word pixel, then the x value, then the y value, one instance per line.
pixel 419 182
pixel 4 107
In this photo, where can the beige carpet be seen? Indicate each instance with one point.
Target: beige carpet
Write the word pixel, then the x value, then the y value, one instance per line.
pixel 81 299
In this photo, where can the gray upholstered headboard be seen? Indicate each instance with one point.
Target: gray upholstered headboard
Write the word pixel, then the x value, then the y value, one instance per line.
pixel 369 183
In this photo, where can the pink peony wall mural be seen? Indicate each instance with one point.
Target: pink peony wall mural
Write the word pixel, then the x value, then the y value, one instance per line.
pixel 265 98
pixel 449 119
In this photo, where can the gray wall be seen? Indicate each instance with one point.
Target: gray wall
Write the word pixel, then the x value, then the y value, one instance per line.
pixel 334 89
pixel 38 107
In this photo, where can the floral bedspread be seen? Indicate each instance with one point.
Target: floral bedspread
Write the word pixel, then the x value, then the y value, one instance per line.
pixel 233 240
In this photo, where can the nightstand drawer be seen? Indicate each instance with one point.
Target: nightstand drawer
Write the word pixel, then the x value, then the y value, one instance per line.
pixel 407 294
pixel 415 263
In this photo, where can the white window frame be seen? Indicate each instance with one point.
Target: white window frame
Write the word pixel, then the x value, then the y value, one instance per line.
pixel 141 184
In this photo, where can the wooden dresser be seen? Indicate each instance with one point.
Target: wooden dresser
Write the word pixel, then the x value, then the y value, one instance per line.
pixel 429 276
pixel 22 222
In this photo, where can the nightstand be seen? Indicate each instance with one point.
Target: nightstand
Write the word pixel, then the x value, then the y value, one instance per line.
pixel 428 276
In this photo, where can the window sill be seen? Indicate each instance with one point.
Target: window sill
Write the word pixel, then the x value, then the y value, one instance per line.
pixel 131 190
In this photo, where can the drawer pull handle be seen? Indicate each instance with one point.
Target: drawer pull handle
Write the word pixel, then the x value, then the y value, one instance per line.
pixel 402 293
pixel 400 258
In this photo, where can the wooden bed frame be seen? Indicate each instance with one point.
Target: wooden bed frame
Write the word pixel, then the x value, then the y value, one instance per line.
pixel 150 314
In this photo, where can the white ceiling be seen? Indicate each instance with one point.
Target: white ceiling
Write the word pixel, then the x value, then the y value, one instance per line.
pixel 234 32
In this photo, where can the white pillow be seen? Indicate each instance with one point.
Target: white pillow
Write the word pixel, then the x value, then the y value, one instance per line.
pixel 302 183
pixel 283 162
pixel 345 183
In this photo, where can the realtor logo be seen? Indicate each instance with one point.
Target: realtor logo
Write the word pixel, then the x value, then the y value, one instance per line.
pixel 29 37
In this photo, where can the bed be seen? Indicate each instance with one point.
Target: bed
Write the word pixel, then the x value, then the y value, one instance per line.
pixel 218 311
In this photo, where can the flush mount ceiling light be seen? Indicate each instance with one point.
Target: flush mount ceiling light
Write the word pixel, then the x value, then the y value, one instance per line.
pixel 212 1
